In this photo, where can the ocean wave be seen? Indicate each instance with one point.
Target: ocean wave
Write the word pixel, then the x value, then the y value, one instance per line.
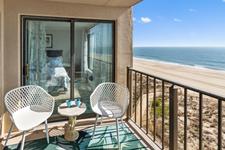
pixel 197 57
pixel 182 65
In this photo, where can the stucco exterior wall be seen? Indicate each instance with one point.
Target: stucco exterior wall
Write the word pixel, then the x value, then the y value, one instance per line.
pixel 124 52
pixel 1 55
pixel 1 61
pixel 13 9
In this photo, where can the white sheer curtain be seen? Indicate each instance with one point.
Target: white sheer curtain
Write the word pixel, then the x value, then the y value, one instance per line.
pixel 101 52
pixel 37 53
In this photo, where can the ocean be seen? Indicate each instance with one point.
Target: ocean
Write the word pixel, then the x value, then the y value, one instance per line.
pixel 204 57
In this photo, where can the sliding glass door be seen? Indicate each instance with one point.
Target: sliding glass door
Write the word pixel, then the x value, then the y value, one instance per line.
pixel 68 58
pixel 93 57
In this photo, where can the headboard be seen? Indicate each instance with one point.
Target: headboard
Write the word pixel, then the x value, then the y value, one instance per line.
pixel 54 53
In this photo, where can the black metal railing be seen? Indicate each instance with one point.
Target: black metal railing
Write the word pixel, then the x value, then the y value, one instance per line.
pixel 156 100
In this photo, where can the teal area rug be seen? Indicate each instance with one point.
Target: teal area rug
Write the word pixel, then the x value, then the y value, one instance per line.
pixel 105 138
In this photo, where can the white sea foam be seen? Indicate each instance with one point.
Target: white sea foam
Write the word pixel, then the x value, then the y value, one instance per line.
pixel 181 65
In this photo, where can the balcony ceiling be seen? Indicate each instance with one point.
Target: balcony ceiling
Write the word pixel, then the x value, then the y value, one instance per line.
pixel 111 3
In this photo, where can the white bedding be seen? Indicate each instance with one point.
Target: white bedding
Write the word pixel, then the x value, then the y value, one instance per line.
pixel 59 77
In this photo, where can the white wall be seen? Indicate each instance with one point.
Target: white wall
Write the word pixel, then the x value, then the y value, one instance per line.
pixel 61 41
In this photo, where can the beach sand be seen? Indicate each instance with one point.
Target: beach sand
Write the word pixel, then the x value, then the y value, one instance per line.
pixel 211 81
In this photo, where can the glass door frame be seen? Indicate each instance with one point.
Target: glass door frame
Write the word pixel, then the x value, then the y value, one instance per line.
pixel 72 21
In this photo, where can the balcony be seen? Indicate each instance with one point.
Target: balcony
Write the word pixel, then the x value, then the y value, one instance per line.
pixel 163 114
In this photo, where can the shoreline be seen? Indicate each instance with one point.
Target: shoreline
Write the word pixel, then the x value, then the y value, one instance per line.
pixel 179 64
pixel 204 79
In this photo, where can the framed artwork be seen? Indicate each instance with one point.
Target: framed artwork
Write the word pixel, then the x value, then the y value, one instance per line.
pixel 49 41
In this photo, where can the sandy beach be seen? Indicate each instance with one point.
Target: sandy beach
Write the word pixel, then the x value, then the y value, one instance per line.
pixel 211 81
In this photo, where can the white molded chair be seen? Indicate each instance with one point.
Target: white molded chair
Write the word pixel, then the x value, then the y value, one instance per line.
pixel 110 100
pixel 29 106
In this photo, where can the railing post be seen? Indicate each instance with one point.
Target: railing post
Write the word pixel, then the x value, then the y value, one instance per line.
pixel 220 120
pixel 128 86
pixel 173 123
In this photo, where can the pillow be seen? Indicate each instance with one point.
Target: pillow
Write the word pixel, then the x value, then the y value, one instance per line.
pixel 55 61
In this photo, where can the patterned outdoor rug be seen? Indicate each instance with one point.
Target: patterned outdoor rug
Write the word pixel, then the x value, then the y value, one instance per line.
pixel 105 138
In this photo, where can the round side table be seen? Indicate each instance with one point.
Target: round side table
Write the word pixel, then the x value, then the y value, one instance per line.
pixel 71 134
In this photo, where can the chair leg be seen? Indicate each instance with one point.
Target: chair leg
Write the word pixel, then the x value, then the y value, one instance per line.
pixel 122 123
pixel 46 131
pixel 23 141
pixel 117 131
pixel 101 119
pixel 7 138
pixel 96 121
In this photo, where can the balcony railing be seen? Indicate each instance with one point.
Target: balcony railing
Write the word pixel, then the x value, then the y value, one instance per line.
pixel 175 116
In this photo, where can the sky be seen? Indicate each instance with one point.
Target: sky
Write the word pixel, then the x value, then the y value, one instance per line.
pixel 179 23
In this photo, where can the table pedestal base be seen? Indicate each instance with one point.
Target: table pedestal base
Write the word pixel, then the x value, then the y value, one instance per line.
pixel 71 134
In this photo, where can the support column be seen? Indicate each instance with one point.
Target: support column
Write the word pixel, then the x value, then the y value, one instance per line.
pixel 1 63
